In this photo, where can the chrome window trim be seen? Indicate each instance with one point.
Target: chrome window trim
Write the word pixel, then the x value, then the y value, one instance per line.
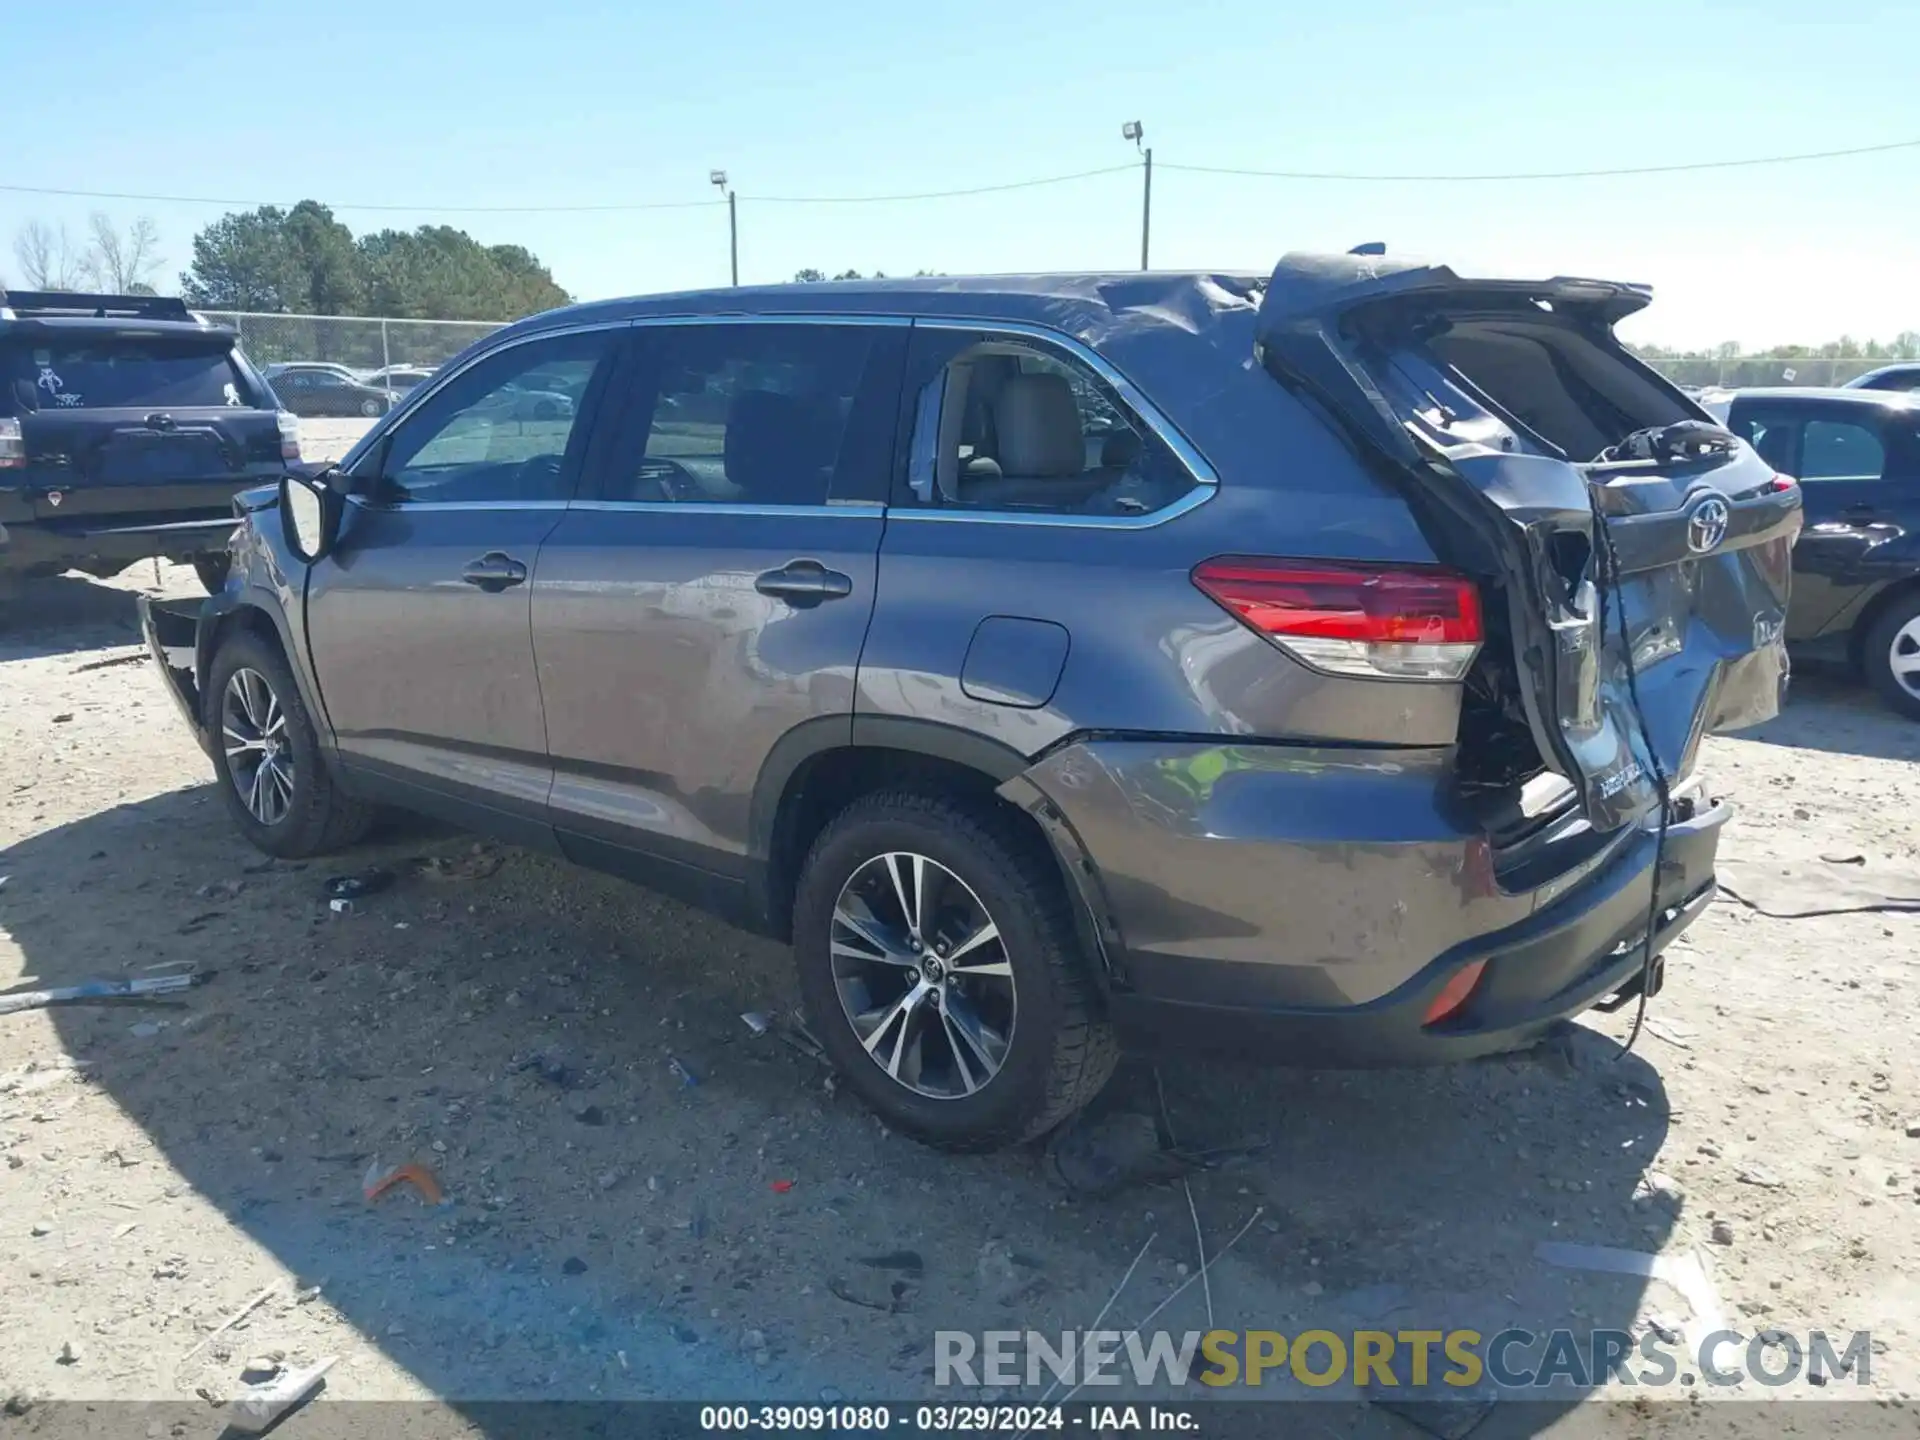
pixel 859 510
pixel 366 504
pixel 1136 400
pixel 1192 500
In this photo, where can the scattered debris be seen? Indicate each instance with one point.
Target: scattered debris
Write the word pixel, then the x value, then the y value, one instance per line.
pixel 378 1181
pixel 261 1369
pixel 344 907
pixel 40 1228
pixel 1754 1173
pixel 221 889
pixel 1722 1232
pixel 1438 1408
pixel 358 885
pixel 93 991
pixel 145 1030
pixel 554 1071
pixel 132 657
pixel 1844 859
pixel 756 1021
pixel 479 863
pixel 899 1294
pixel 256 1408
pixel 687 1078
pixel 227 1324
pixel 573 1265
pixel 781 1187
pixel 590 1115
pixel 1102 1156
pixel 64 717
pixel 793 1033
pixel 908 1260
pixel 1674 1032
pixel 1684 1273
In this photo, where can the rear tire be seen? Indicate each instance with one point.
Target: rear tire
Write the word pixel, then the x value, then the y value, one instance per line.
pixel 1894 642
pixel 259 722
pixel 370 408
pixel 213 571
pixel 983 1059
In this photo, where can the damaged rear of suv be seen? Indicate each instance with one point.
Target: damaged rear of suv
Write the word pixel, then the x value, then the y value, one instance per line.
pixel 1313 663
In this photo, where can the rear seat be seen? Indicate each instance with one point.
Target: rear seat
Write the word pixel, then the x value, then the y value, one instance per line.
pixel 1042 449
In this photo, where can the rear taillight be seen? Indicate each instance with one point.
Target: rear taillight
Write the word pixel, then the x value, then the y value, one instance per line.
pixel 1398 622
pixel 13 446
pixel 289 424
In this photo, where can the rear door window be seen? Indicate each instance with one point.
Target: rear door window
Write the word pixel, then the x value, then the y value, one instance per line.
pixel 1841 450
pixel 120 373
pixel 1006 423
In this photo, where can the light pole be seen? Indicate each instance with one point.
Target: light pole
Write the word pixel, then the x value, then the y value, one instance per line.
pixel 719 181
pixel 1133 130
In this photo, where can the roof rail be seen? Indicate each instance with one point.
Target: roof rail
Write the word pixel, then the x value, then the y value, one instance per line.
pixel 24 304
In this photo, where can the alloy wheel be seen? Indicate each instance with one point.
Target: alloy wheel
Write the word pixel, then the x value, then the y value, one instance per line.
pixel 253 729
pixel 1903 657
pixel 923 975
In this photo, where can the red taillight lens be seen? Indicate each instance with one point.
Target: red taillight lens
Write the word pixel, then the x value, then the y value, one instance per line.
pixel 1455 993
pixel 1387 622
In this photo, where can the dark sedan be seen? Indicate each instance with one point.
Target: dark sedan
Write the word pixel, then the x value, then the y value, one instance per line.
pixel 315 392
pixel 1903 377
pixel 1856 570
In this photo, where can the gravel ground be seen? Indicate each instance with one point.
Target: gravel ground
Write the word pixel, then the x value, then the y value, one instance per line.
pixel 616 1229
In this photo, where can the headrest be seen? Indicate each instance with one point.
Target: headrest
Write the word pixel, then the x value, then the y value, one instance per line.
pixel 1037 422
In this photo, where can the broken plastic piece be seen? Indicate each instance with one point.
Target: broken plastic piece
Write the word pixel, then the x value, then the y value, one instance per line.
pixel 343 907
pixel 781 1187
pixel 258 1406
pixel 378 1181
pixel 757 1021
pixel 359 884
pixel 686 1076
pixel 96 990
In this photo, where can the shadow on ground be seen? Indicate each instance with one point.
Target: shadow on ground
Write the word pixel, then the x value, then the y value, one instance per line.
pixel 1830 709
pixel 62 614
pixel 621 1233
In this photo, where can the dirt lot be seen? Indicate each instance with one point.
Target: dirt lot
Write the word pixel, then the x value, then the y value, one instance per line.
pixel 616 1228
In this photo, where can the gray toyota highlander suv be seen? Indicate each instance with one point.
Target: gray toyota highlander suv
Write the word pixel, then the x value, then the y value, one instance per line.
pixel 1311 663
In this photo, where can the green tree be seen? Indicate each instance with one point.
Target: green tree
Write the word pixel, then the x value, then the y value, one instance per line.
pixel 300 260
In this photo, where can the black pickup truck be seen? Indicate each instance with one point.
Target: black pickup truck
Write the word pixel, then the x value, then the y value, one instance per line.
pixel 127 425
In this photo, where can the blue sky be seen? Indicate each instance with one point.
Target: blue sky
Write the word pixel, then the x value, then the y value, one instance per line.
pixel 427 104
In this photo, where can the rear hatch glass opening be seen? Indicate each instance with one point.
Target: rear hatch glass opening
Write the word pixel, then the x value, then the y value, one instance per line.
pixel 117 372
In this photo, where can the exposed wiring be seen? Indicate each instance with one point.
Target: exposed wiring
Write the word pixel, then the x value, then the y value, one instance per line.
pixel 1429 177
pixel 1611 579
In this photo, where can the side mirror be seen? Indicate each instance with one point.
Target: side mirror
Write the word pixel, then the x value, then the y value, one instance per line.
pixel 310 510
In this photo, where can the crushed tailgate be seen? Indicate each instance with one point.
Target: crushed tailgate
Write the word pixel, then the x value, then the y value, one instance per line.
pixel 1642 553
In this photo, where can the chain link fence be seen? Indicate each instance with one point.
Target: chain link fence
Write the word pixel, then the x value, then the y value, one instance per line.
pixel 364 344
pixel 1705 371
pixel 370 343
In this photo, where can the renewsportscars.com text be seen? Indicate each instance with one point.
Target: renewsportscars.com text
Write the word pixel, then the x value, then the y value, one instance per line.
pixel 1460 1358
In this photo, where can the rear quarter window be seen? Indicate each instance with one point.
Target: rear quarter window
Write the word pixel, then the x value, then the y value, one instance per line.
pixel 110 374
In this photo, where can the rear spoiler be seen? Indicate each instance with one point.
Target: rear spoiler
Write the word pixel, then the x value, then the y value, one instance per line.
pixel 1316 287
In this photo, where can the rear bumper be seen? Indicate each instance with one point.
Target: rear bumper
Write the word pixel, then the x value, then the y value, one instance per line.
pixel 172 631
pixel 1308 906
pixel 40 545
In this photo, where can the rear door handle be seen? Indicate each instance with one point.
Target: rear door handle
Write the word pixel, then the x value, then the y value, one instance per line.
pixel 804 582
pixel 494 571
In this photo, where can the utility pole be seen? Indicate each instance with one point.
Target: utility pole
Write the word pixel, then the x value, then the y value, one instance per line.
pixel 719 179
pixel 1134 131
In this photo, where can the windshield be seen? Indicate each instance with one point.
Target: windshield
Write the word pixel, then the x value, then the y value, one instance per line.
pixel 119 373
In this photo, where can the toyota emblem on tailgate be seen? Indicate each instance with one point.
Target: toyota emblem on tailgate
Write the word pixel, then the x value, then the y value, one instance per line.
pixel 1707 525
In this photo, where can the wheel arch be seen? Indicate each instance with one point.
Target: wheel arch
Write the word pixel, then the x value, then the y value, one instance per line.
pixel 823 765
pixel 1877 605
pixel 226 614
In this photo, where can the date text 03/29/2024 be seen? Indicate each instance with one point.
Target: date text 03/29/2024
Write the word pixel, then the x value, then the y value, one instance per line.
pixel 945 1419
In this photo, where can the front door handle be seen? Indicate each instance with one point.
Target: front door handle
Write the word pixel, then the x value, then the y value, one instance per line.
pixel 804 582
pixel 494 571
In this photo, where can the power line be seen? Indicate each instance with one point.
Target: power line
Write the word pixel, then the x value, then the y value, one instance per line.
pixel 937 194
pixel 1544 174
pixel 407 209
pixel 1045 180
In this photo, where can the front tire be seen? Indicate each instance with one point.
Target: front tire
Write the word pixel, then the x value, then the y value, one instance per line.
pixel 267 756
pixel 1891 655
pixel 939 965
pixel 370 408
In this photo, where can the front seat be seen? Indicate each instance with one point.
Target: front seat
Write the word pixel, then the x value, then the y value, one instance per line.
pixel 774 450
